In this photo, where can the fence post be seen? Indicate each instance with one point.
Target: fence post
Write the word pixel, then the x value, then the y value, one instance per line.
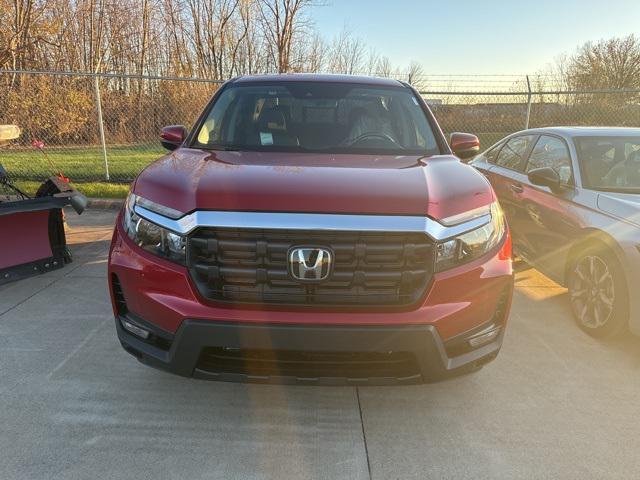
pixel 526 122
pixel 96 87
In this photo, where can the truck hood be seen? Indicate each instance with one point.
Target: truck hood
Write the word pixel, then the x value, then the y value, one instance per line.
pixel 190 179
pixel 625 206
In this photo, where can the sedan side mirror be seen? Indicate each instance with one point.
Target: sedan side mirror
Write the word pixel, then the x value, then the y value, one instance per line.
pixel 464 145
pixel 173 136
pixel 545 177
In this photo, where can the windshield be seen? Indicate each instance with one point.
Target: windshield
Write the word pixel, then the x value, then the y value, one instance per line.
pixel 610 163
pixel 318 117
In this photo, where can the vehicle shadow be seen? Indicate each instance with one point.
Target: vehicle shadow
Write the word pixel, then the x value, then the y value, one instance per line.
pixel 519 265
pixel 536 294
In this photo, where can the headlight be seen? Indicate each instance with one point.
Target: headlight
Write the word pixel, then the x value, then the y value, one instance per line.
pixel 151 237
pixel 473 244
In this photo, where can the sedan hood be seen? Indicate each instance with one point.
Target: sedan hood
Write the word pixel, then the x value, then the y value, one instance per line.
pixel 190 179
pixel 625 206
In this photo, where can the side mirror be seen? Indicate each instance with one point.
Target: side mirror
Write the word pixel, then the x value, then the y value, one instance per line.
pixel 173 136
pixel 545 177
pixel 464 145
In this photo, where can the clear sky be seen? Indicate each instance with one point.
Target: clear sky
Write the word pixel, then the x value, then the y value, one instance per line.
pixel 478 37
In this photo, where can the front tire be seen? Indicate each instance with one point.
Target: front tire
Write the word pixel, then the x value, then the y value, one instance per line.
pixel 598 292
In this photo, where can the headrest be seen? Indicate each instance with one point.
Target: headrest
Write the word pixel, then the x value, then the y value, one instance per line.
pixel 634 156
pixel 273 119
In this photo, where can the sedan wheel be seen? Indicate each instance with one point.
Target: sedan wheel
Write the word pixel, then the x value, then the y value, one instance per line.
pixel 598 293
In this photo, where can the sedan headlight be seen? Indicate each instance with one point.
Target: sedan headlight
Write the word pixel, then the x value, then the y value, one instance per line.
pixel 472 244
pixel 152 237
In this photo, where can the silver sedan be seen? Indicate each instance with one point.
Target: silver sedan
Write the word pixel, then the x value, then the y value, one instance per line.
pixel 571 196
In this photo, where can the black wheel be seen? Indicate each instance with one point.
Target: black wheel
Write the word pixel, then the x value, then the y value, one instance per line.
pixel 598 292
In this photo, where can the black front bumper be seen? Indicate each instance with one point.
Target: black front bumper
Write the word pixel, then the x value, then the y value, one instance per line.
pixel 186 352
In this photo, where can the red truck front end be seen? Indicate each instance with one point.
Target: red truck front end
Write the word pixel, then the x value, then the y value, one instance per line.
pixel 384 260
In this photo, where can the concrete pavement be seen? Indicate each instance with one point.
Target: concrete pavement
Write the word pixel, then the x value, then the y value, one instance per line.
pixel 73 404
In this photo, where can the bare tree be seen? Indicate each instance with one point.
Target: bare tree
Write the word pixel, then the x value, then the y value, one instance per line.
pixel 206 38
pixel 613 63
pixel 414 75
pixel 21 24
pixel 282 22
pixel 353 56
pixel 19 33
pixel 372 61
pixel 143 51
pixel 384 67
pixel 316 54
pixel 554 77
pixel 347 53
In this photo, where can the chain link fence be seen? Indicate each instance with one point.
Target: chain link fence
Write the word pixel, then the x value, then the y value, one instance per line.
pixel 105 128
pixel 95 128
pixel 492 116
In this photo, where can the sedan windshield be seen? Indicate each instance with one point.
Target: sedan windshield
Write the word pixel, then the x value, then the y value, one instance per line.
pixel 318 117
pixel 610 163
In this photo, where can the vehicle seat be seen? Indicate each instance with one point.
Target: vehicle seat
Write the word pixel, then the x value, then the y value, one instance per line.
pixel 626 173
pixel 597 166
pixel 363 122
pixel 273 128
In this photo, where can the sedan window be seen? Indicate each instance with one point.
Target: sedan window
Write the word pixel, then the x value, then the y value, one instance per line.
pixel 513 153
pixel 610 163
pixel 551 152
pixel 489 156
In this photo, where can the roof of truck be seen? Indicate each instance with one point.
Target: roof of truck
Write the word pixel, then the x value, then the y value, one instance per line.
pixel 315 77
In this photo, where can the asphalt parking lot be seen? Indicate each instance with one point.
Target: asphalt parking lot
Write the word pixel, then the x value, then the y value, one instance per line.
pixel 73 404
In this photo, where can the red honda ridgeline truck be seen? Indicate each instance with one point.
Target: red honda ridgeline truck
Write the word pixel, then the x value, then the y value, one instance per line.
pixel 312 229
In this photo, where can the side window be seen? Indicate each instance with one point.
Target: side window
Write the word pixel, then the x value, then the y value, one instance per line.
pixel 551 152
pixel 512 154
pixel 489 156
pixel 210 132
pixel 492 154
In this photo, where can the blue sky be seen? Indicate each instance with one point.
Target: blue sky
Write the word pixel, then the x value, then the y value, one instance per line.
pixel 478 37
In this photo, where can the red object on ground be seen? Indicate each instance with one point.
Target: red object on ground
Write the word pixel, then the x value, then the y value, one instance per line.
pixel 24 238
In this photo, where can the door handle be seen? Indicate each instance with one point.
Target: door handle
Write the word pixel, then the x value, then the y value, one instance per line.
pixel 516 188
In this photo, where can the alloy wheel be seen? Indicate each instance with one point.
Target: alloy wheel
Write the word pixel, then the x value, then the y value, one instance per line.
pixel 592 292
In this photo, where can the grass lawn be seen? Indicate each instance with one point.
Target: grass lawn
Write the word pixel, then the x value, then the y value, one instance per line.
pixel 83 165
pixel 90 189
pixel 80 164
